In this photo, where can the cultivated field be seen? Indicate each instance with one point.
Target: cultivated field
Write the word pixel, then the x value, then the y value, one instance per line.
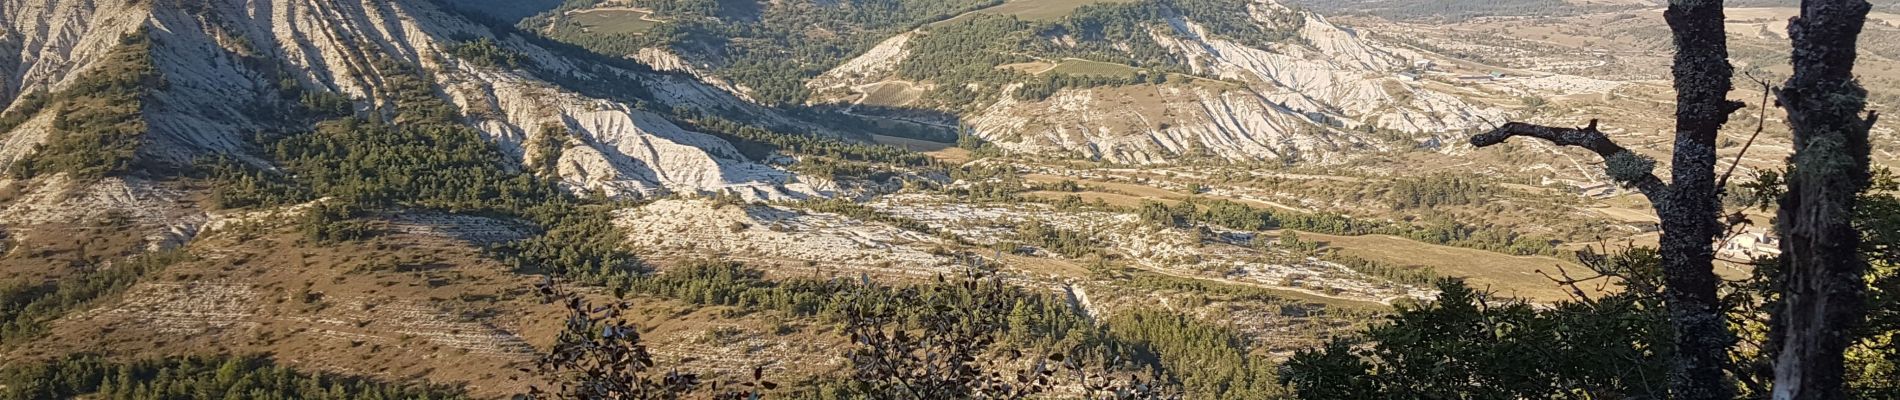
pixel 890 94
pixel 1503 273
pixel 615 21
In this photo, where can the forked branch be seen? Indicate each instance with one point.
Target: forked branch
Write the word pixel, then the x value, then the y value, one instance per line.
pixel 1625 166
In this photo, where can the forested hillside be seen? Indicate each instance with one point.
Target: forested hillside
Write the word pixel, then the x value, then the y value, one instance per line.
pixel 769 49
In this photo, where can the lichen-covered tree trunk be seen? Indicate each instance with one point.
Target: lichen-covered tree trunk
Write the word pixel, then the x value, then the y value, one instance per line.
pixel 1689 209
pixel 1822 269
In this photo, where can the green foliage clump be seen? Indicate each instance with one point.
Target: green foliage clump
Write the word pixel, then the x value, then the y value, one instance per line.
pixel 324 104
pixel 1115 22
pixel 329 223
pixel 1049 84
pixel 240 186
pixel 24 108
pixel 1222 213
pixel 1401 274
pixel 428 163
pixel 1039 319
pixel 1437 230
pixel 547 150
pixel 760 143
pixel 1874 361
pixel 1628 167
pixel 1438 191
pixel 1160 214
pixel 25 308
pixel 979 148
pixel 485 52
pixel 1467 344
pixel 1068 243
pixel 195 378
pixel 968 50
pixel 1236 216
pixel 576 240
pixel 422 156
pixel 100 122
pixel 1208 361
pixel 1442 231
pixel 999 183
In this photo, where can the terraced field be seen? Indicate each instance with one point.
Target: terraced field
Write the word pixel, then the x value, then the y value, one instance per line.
pixel 615 21
pixel 890 94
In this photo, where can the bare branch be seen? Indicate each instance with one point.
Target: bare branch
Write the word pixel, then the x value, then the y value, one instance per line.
pixel 1576 292
pixel 1587 137
pixel 1761 122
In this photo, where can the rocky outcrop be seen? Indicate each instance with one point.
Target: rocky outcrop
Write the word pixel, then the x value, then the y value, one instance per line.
pixel 44 44
pixel 866 68
pixel 1332 71
pixel 1155 124
pixel 1311 98
pixel 222 61
pixel 666 60
pixel 611 145
pixel 163 214
pixel 1303 100
pixel 223 64
pixel 784 237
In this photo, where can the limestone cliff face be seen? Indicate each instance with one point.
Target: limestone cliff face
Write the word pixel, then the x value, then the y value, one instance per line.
pixel 1303 100
pixel 874 64
pixel 666 60
pixel 1158 124
pixel 1332 70
pixel 222 60
pixel 43 42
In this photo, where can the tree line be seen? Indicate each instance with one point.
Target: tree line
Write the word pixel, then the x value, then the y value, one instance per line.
pixel 1233 215
pixel 196 378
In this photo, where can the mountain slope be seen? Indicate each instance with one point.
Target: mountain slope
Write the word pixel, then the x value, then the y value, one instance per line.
pixel 1300 89
pixel 213 52
pixel 249 141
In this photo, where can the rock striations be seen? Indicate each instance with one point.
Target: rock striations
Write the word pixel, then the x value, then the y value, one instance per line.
pixel 1314 98
pixel 222 59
